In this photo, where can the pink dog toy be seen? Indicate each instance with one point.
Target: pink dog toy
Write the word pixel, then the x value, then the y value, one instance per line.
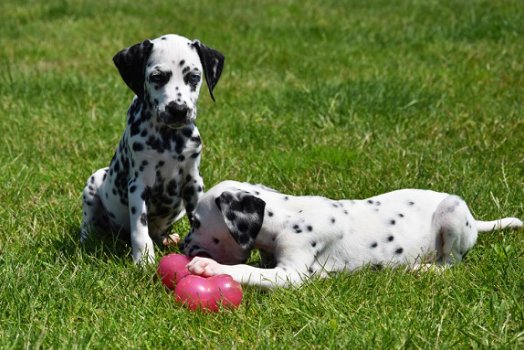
pixel 198 292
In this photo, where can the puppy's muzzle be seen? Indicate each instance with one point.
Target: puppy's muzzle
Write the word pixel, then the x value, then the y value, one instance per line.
pixel 175 115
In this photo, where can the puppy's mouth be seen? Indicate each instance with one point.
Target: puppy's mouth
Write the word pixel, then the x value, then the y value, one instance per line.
pixel 170 123
pixel 176 126
pixel 201 254
pixel 204 255
pixel 175 121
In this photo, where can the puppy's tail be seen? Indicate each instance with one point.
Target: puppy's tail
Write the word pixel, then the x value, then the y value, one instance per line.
pixel 500 224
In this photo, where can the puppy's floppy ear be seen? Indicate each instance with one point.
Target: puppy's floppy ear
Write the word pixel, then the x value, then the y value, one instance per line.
pixel 131 65
pixel 212 62
pixel 243 214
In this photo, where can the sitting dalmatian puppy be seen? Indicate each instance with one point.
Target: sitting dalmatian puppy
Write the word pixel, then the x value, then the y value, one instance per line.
pixel 154 176
pixel 305 236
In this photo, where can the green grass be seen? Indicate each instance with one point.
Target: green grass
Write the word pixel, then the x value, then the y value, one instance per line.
pixel 341 98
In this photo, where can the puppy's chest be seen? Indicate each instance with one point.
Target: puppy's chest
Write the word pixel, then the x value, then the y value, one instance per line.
pixel 174 145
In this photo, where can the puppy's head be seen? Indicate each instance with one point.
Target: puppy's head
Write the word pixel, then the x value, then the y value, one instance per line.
pixel 167 73
pixel 225 226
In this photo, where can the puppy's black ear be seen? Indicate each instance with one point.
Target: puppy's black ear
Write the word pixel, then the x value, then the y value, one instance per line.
pixel 212 62
pixel 243 214
pixel 131 64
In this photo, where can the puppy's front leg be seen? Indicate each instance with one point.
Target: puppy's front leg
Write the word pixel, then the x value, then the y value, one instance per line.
pixel 141 243
pixel 191 192
pixel 249 275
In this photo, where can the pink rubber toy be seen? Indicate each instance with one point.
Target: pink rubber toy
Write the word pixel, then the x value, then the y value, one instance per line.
pixel 197 292
pixel 172 268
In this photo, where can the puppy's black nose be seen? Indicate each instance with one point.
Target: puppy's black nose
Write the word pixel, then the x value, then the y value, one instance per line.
pixel 176 113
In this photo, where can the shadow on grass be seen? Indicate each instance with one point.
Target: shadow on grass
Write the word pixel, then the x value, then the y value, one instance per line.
pixel 105 246
pixel 100 245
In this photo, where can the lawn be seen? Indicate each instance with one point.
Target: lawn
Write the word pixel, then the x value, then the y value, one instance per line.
pixel 346 99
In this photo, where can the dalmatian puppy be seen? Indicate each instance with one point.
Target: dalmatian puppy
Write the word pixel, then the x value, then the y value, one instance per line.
pixel 300 237
pixel 154 175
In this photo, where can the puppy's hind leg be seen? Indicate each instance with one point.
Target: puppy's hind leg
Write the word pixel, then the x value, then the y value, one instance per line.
pixel 455 228
pixel 94 215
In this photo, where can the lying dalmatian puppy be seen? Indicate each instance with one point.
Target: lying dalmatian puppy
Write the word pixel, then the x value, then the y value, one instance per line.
pixel 305 236
pixel 154 174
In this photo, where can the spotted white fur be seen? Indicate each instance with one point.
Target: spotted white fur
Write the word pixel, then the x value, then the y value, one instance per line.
pixel 303 236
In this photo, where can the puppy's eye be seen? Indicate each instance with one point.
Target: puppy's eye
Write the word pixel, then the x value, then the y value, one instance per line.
pixel 160 78
pixel 194 79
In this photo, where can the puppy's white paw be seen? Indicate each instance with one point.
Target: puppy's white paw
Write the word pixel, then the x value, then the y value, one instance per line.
pixel 204 267
pixel 171 240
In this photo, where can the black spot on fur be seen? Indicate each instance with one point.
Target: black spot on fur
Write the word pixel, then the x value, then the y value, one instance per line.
pixel 399 251
pixel 146 194
pixel 374 245
pixel 313 244
pixel 187 132
pixel 143 219
pixel 196 223
pixel 270 213
pixel 171 188
pixel 188 193
pixel 135 128
pixel 231 216
pixel 392 222
pixel 390 238
pixel 196 139
pixel 137 146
